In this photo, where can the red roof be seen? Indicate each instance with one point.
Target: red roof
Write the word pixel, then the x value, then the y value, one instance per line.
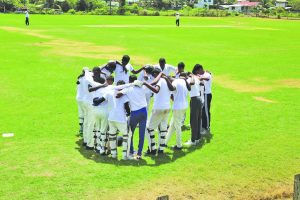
pixel 248 3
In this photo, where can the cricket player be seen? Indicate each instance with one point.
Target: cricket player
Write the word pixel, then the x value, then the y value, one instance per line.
pixel 182 88
pixel 138 115
pixel 207 100
pixel 124 69
pixel 196 104
pixel 26 18
pixel 160 112
pixel 165 68
pixel 146 75
pixel 177 19
pixel 80 100
pixel 117 120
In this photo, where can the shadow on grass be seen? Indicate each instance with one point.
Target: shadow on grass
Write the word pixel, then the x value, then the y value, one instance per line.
pixel 169 156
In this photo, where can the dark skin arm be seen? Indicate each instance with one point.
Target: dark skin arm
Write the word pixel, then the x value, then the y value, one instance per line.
pixel 154 89
pixel 155 81
pixel 92 89
pixel 137 71
pixel 192 80
pixel 119 95
pixel 170 86
pixel 188 86
pixel 127 108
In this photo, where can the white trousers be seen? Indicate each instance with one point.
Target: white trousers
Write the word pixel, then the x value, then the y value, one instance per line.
pixel 158 119
pixel 175 125
pixel 81 111
pixel 113 127
pixel 86 113
pixel 90 127
pixel 101 126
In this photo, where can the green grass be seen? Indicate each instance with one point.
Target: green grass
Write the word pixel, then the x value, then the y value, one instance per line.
pixel 255 151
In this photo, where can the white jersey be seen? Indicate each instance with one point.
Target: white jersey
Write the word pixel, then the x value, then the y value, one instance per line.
pixel 101 92
pixel 207 84
pixel 120 74
pixel 26 14
pixel 85 95
pixel 117 112
pixel 80 90
pixel 105 73
pixel 180 94
pixel 136 96
pixel 162 98
pixel 197 89
pixel 168 70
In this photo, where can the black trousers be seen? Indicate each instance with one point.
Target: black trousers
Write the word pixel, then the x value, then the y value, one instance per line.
pixel 206 111
pixel 27 21
pixel 177 22
pixel 195 117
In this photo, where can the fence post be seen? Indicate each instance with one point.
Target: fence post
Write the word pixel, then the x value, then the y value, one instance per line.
pixel 297 187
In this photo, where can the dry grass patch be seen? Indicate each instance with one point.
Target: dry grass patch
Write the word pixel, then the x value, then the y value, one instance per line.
pixel 290 83
pixel 263 99
pixel 35 33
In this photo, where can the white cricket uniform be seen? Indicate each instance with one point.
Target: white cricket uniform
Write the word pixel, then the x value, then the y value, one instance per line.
pixel 136 96
pixel 87 99
pixel 80 102
pixel 168 70
pixel 149 92
pixel 197 89
pixel 101 122
pixel 117 121
pixel 105 73
pixel 120 74
pixel 159 116
pixel 179 108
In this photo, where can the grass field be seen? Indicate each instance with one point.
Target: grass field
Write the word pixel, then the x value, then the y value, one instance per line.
pixel 255 151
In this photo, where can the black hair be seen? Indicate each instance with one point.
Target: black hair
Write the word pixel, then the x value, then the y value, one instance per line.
pixel 149 69
pixel 110 78
pixel 162 60
pixel 126 58
pixel 183 74
pixel 181 65
pixel 196 68
pixel 132 78
pixel 156 71
pixel 111 66
pixel 120 82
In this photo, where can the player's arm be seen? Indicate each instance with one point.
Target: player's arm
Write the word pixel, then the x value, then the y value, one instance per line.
pixel 127 108
pixel 154 89
pixel 92 89
pixel 98 100
pixel 155 81
pixel 137 71
pixel 170 86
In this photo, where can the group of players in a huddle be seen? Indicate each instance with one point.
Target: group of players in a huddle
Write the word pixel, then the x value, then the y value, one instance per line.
pixel 109 106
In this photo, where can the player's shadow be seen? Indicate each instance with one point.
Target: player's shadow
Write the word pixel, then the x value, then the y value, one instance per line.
pixel 158 160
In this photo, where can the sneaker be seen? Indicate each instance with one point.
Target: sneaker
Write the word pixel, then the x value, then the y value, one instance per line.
pixel 129 157
pixel 150 153
pixel 138 157
pixel 190 143
pixel 176 148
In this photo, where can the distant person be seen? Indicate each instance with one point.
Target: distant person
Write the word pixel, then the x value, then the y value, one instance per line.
pixel 26 18
pixel 177 19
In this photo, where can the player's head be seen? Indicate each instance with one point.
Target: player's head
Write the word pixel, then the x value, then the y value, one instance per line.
pixel 110 80
pixel 198 69
pixel 155 72
pixel 120 82
pixel 125 60
pixel 162 62
pixel 96 71
pixel 149 69
pixel 132 78
pixel 111 65
pixel 180 67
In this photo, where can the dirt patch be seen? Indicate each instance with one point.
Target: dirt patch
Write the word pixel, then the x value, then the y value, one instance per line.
pixel 291 83
pixel 278 193
pixel 87 50
pixel 35 33
pixel 241 86
pixel 43 174
pixel 263 99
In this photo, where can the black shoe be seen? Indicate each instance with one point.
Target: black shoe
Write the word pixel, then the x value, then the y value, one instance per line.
pixel 150 153
pixel 160 152
pixel 176 148
pixel 89 148
pixel 84 144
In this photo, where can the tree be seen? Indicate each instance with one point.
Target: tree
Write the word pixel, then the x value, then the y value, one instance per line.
pixel 295 4
pixel 81 5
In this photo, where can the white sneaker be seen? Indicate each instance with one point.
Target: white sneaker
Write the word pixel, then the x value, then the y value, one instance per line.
pixel 128 157
pixel 203 131
pixel 190 143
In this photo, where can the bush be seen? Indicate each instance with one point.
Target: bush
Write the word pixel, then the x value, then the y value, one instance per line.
pixel 72 11
pixel 143 12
